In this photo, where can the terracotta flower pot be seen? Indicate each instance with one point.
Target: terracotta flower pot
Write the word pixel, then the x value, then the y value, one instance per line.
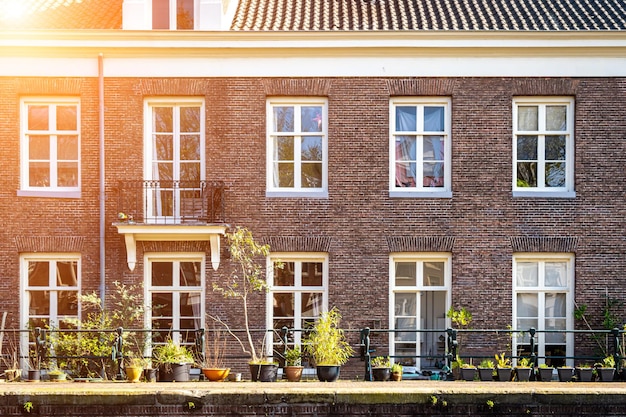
pixel 216 374
pixel 293 373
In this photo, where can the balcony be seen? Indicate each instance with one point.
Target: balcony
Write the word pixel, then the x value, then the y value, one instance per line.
pixel 171 211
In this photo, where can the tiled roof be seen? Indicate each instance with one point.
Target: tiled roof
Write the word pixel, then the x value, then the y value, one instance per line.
pixel 454 15
pixel 60 14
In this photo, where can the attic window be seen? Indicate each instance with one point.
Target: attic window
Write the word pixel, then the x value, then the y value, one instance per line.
pixel 173 14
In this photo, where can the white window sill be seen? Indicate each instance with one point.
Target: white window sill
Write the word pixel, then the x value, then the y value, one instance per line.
pixel 544 194
pixel 420 194
pixel 297 194
pixel 49 193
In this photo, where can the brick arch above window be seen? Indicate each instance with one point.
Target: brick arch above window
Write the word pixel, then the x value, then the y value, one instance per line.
pixel 544 87
pixel 299 243
pixel 45 86
pixel 173 87
pixel 420 244
pixel 421 87
pixel 296 87
pixel 544 244
pixel 49 243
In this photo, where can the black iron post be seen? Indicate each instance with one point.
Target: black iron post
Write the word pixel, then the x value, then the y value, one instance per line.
pixel 365 352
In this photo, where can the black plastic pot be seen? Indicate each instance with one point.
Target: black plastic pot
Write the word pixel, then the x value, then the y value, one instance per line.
pixel 328 373
pixel 381 374
pixel 174 372
pixel 263 372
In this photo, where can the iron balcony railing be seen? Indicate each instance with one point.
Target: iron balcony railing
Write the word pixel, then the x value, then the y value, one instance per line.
pixel 171 202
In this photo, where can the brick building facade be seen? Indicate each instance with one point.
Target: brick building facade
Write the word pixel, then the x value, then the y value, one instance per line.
pixel 511 204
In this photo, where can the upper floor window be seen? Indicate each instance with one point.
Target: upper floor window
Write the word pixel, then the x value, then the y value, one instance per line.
pixel 173 14
pixel 297 147
pixel 50 147
pixel 420 147
pixel 543 146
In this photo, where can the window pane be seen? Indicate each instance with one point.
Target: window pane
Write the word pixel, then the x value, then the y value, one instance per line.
pixel 528 118
pixel 433 174
pixel 284 277
pixel 433 119
pixel 311 148
pixel 556 118
pixel 285 175
pixel 283 305
pixel 406 148
pixel 405 305
pixel 555 148
pixel 190 119
pixel 190 274
pixel 190 174
pixel 67 175
pixel 38 118
pixel 527 148
pixel 433 274
pixel 311 176
pixel 556 274
pixel 160 14
pixel 555 174
pixel 39 147
pixel 67 303
pixel 433 148
pixel 38 274
pixel 527 274
pixel 406 118
pixel 67 118
pixel 39 175
pixel 164 147
pixel 524 325
pixel 164 172
pixel 311 304
pixel 312 274
pixel 283 148
pixel 184 14
pixel 67 147
pixel 163 119
pixel 67 273
pixel 311 118
pixel 406 274
pixel 555 324
pixel 190 147
pixel 283 119
pixel 526 174
pixel 162 304
pixel 555 305
pixel 162 274
pixel 405 324
pixel 527 305
pixel 39 304
pixel 190 305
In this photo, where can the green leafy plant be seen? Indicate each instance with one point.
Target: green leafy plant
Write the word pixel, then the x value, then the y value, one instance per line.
pixel 293 356
pixel 502 361
pixel 28 406
pixel 523 362
pixel 460 318
pixel 381 362
pixel 544 365
pixel 248 278
pixel 171 353
pixel 396 368
pixel 608 362
pixel 486 363
pixel 326 343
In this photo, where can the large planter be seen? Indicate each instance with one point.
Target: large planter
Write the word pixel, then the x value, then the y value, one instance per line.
pixel 133 373
pixel 293 373
pixel 215 374
pixel 504 374
pixel 606 374
pixel 174 372
pixel 34 375
pixel 565 374
pixel 328 373
pixel 523 373
pixel 468 374
pixel 264 372
pixel 381 374
pixel 545 374
pixel 584 374
pixel 485 374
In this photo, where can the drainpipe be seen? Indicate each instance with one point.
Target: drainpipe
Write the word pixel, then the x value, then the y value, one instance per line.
pixel 102 182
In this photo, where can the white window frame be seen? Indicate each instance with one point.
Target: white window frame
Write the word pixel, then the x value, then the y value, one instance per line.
pixel 541 190
pixel 176 288
pixel 298 258
pixel 541 259
pixel 176 103
pixel 172 15
pixel 53 316
pixel 297 190
pixel 419 258
pixel 26 190
pixel 420 190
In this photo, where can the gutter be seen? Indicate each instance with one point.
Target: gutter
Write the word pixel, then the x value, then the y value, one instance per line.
pixel 102 181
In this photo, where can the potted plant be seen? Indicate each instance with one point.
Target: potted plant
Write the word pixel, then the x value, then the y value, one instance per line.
pixel 293 364
pixel 545 372
pixel 56 375
pixel 468 372
pixel 173 360
pixel 212 362
pixel 327 345
pixel 486 369
pixel 134 369
pixel 396 372
pixel 381 368
pixel 244 282
pixel 584 372
pixel 606 369
pixel 503 367
pixel 523 370
pixel 565 373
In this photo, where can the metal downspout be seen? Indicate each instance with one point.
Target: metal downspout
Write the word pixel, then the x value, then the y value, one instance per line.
pixel 102 182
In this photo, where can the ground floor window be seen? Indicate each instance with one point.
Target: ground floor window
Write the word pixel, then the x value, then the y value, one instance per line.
pixel 50 293
pixel 175 290
pixel 299 293
pixel 543 299
pixel 419 299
